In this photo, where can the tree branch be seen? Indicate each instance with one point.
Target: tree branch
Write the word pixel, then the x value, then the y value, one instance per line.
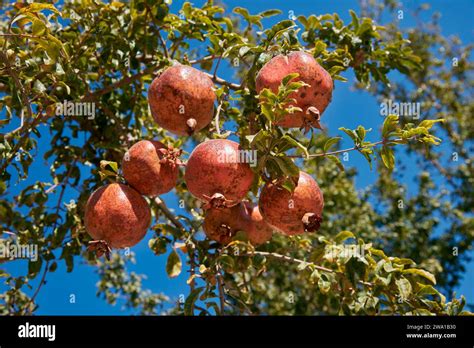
pixel 298 261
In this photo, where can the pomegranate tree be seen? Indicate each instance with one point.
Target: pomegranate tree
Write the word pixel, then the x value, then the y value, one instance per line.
pixel 293 212
pixel 182 99
pixel 217 175
pixel 151 168
pixel 312 99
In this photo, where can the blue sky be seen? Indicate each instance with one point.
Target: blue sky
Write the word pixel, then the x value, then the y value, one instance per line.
pixel 349 109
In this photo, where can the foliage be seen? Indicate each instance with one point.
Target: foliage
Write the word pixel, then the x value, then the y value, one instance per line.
pixel 106 54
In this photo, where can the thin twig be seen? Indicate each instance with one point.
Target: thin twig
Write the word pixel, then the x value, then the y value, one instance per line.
pixel 298 261
pixel 200 60
pixel 25 36
pixel 349 149
pixel 169 215
pixel 175 46
pixel 217 66
pixel 223 82
pixel 220 287
pixel 163 44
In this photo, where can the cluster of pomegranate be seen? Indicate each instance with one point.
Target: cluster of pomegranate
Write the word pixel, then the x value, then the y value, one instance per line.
pixel 182 101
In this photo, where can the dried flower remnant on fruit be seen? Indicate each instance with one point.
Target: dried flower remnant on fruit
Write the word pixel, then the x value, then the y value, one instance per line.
pixel 151 168
pixel 221 225
pixel 182 100
pixel 293 212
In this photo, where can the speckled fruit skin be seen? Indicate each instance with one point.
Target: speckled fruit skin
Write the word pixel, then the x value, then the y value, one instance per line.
pixel 143 171
pixel 284 210
pixel 214 168
pixel 117 214
pixel 180 94
pixel 256 229
pixel 223 224
pixel 318 95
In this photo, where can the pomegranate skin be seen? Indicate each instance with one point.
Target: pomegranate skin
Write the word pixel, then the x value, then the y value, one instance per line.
pixel 223 224
pixel 117 214
pixel 256 229
pixel 318 95
pixel 182 99
pixel 146 169
pixel 293 213
pixel 214 169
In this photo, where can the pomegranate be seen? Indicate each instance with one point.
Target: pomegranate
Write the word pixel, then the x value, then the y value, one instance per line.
pixel 217 175
pixel 182 99
pixel 223 224
pixel 151 168
pixel 256 229
pixel 312 99
pixel 293 213
pixel 116 216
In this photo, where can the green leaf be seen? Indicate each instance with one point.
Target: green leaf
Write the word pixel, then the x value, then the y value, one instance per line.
pixel 350 133
pixel 429 123
pixel 342 236
pixel 421 273
pixel 191 300
pixel 288 78
pixel 330 142
pixel 289 142
pixel 430 290
pixel 389 125
pixel 361 131
pixel 37 7
pixel 269 13
pixel 355 20
pixel 34 267
pixel 288 185
pixel 388 157
pixel 337 161
pixel 111 164
pixel 173 264
pixel 287 166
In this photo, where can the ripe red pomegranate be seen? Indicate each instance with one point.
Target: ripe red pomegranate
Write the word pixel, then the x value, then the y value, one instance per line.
pixel 216 174
pixel 182 99
pixel 256 229
pixel 151 168
pixel 312 99
pixel 223 224
pixel 116 216
pixel 293 213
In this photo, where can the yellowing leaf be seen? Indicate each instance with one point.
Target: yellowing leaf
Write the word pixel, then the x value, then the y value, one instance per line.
pixel 422 273
pixel 173 264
